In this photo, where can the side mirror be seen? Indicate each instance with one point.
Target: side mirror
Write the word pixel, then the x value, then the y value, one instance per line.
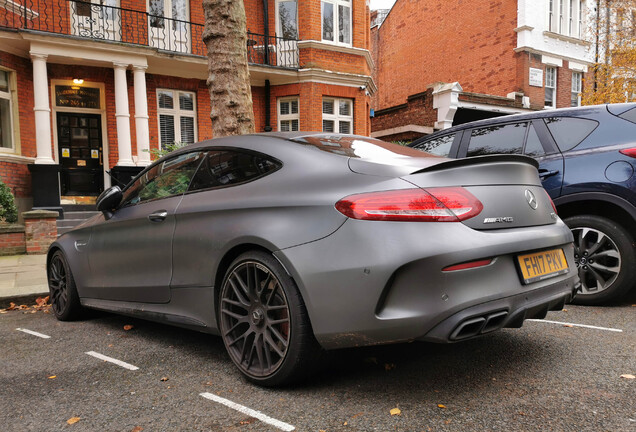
pixel 109 199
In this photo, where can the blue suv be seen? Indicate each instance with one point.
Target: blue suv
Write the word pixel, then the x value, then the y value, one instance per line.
pixel 587 163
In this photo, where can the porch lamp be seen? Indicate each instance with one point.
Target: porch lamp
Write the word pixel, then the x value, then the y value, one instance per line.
pixel 78 81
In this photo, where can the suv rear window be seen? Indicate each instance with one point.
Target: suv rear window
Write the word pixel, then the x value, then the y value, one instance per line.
pixel 497 139
pixel 568 132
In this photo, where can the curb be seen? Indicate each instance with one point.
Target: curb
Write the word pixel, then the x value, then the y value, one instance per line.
pixel 28 299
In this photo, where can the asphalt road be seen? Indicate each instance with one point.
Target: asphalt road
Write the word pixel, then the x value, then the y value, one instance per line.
pixel 543 377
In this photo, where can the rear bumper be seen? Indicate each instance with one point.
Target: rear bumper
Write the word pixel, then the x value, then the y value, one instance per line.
pixel 382 282
pixel 506 312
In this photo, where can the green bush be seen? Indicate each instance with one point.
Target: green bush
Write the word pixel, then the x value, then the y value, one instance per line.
pixel 8 210
pixel 165 149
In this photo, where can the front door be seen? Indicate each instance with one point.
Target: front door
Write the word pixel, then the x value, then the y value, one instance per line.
pixel 79 138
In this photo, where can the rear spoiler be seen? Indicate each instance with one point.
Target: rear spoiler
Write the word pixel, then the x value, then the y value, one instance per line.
pixel 476 160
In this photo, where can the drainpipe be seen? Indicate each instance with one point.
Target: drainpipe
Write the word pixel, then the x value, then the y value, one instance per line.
pixel 268 127
pixel 266 30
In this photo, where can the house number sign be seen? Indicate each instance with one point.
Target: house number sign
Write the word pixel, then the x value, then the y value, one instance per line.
pixel 76 97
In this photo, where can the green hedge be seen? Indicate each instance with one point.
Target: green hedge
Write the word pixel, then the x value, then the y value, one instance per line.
pixel 8 210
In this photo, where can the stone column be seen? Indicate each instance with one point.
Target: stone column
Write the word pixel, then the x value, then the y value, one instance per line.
pixel 42 110
pixel 141 116
pixel 122 114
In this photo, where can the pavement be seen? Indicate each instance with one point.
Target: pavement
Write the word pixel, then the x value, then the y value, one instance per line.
pixel 22 276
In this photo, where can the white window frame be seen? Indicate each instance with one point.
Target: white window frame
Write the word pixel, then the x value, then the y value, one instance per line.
pixel 551 85
pixel 336 117
pixel 291 116
pixel 176 112
pixel 11 96
pixel 336 30
pixel 577 86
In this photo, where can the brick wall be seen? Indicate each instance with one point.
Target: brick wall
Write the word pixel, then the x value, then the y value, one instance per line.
pixel 40 231
pixel 12 240
pixel 420 43
pixel 418 110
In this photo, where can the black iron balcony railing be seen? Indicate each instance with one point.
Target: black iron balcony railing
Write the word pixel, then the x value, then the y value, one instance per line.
pixel 109 23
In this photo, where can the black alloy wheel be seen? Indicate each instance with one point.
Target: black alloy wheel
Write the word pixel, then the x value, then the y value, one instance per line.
pixel 264 323
pixel 605 257
pixel 62 291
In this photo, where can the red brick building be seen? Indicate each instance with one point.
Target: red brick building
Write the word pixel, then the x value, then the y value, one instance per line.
pixel 88 87
pixel 440 63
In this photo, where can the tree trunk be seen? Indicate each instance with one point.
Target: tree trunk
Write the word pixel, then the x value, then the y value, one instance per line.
pixel 225 36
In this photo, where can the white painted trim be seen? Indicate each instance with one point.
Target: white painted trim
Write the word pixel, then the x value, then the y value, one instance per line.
pixel 338 48
pixel 14 158
pixel 577 67
pixel 337 78
pixel 427 130
pixel 491 108
pixel 446 102
pixel 543 53
pixel 566 38
pixel 551 61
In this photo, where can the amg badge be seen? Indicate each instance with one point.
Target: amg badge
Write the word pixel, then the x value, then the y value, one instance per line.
pixel 507 219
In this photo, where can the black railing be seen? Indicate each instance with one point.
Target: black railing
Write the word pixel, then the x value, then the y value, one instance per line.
pixel 120 25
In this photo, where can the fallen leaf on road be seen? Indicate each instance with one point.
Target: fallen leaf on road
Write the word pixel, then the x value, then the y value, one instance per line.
pixel 128 327
pixel 11 306
pixel 73 420
pixel 344 424
pixel 164 379
pixel 441 406
pixel 53 377
pixel 564 310
pixel 396 411
pixel 137 429
pixel 628 376
pixel 42 301
pixel 567 325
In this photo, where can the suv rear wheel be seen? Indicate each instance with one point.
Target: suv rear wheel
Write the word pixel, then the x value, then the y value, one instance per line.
pixel 605 256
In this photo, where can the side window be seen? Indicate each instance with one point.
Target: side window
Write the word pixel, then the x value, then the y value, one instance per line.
pixel 228 167
pixel 533 144
pixel 439 146
pixel 568 132
pixel 499 139
pixel 163 180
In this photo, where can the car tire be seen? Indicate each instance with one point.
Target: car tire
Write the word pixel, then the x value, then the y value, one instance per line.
pixel 65 302
pixel 605 256
pixel 264 323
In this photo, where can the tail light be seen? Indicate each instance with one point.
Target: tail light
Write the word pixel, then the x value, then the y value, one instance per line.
pixel 552 203
pixel 451 204
pixel 631 152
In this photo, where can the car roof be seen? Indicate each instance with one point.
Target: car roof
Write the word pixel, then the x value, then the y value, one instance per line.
pixel 559 112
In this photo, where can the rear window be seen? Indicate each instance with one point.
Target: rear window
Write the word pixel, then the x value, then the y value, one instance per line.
pixel 497 139
pixel 358 147
pixel 629 115
pixel 568 132
pixel 439 146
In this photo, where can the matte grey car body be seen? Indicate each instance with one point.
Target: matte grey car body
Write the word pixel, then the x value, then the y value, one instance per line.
pixel 351 282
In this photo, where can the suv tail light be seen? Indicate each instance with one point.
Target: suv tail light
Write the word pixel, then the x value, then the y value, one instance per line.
pixel 449 204
pixel 631 152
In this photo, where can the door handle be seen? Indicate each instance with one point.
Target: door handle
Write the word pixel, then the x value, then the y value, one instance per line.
pixel 544 174
pixel 158 216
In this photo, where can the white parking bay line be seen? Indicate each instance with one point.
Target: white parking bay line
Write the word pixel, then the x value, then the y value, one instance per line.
pixel 112 360
pixel 250 412
pixel 577 325
pixel 34 333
